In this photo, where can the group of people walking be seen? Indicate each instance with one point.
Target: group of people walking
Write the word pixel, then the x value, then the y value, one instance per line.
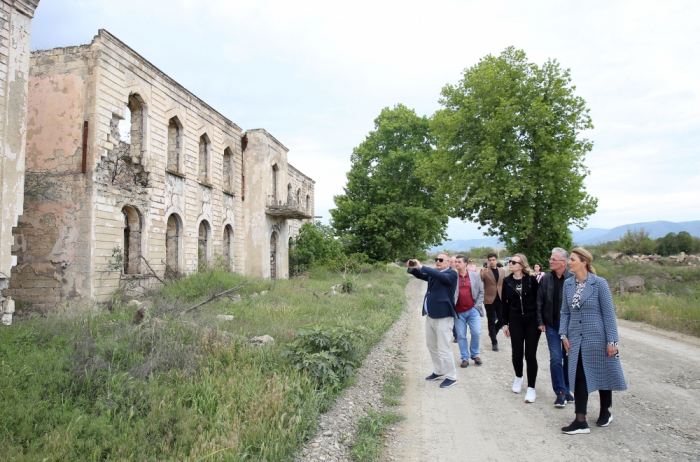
pixel 571 306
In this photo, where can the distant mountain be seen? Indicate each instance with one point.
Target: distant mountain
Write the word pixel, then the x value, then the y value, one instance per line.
pixel 656 229
pixel 589 236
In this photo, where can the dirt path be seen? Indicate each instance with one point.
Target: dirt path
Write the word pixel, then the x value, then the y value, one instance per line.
pixel 480 418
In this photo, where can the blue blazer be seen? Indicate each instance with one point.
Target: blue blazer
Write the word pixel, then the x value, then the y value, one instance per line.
pixel 440 296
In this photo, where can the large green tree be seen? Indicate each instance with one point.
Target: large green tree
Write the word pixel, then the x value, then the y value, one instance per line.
pixel 510 152
pixel 387 211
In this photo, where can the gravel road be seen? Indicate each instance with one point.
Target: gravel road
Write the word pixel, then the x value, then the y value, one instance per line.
pixel 657 418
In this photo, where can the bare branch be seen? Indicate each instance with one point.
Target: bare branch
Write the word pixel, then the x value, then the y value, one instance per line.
pixel 213 297
pixel 153 273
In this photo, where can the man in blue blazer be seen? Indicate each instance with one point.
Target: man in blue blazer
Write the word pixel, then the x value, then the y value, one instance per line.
pixel 439 309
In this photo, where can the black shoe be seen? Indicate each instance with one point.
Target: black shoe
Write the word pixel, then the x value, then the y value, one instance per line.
pixel 465 363
pixel 478 361
pixel 454 339
pixel 576 427
pixel 569 398
pixel 605 418
pixel 495 347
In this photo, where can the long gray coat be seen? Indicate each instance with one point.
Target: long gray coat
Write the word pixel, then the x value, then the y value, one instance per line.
pixel 589 329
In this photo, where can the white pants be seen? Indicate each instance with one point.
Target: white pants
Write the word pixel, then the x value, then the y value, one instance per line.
pixel 438 337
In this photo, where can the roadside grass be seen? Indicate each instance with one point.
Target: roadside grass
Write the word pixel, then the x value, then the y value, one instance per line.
pixel 367 442
pixel 671 299
pixel 180 387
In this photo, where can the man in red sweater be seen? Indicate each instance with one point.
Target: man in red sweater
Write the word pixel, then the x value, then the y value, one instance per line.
pixel 469 296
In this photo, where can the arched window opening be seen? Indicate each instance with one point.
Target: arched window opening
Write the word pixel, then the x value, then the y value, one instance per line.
pixel 228 170
pixel 290 194
pixel 174 143
pixel 298 204
pixel 308 203
pixel 273 255
pixel 132 240
pixel 204 150
pixel 131 127
pixel 172 246
pixel 203 246
pixel 228 247
pixel 274 182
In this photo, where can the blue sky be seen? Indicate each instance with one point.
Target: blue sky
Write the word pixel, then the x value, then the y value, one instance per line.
pixel 315 74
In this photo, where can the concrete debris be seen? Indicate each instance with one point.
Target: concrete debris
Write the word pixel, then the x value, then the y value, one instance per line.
pixel 224 317
pixel 262 340
pixel 632 284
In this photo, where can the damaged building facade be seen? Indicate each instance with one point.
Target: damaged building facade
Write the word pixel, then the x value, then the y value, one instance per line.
pixel 15 31
pixel 130 175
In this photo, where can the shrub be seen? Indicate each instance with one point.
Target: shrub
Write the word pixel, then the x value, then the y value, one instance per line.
pixel 329 355
pixel 315 244
pixel 636 241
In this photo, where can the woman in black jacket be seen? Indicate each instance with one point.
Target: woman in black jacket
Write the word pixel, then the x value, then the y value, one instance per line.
pixel 519 311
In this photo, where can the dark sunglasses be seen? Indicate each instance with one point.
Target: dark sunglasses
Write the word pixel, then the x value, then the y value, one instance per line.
pixel 440 260
pixel 513 262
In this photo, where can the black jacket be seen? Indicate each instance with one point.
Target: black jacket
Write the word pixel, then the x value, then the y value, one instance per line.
pixel 513 301
pixel 440 296
pixel 545 296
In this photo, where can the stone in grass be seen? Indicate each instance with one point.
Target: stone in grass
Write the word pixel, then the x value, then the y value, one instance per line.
pixel 368 286
pixel 631 284
pixel 262 340
pixel 264 292
pixel 225 317
pixel 140 315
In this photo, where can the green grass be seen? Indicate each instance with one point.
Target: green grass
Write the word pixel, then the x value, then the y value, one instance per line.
pixel 366 444
pixel 671 299
pixel 96 387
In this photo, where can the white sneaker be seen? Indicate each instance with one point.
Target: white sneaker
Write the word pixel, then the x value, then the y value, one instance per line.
pixel 517 384
pixel 531 395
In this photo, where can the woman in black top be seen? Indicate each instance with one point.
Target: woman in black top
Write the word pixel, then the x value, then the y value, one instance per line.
pixel 519 311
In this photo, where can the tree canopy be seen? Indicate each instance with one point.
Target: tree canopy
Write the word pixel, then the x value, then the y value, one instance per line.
pixel 387 210
pixel 510 152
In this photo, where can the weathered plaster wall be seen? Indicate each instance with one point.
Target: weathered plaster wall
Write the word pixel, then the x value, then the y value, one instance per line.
pixel 263 151
pixel 121 72
pixel 15 29
pixel 52 253
pixel 132 199
pixel 303 187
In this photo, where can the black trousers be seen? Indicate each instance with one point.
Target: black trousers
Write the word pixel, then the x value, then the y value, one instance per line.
pixel 581 391
pixel 524 337
pixel 492 311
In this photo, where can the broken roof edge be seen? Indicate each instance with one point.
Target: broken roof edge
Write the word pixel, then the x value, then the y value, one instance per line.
pixel 109 35
pixel 262 130
pixel 301 173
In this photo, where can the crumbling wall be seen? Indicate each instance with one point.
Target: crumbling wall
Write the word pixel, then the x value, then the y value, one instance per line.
pixel 168 191
pixel 15 29
pixel 50 246
pixel 303 188
pixel 262 153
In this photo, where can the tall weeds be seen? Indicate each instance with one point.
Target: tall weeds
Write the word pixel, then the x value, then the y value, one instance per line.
pixel 179 387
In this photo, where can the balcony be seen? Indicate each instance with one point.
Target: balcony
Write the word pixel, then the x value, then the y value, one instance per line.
pixel 286 209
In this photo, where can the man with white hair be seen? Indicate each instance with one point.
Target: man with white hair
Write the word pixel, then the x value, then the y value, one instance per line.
pixel 549 299
pixel 439 310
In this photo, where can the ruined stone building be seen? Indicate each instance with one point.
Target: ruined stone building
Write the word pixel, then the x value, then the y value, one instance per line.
pixel 128 173
pixel 15 29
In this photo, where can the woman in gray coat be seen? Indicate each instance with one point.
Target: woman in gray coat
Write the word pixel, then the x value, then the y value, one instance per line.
pixel 588 331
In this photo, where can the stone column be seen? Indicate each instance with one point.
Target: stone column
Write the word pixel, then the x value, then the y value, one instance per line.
pixel 15 29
